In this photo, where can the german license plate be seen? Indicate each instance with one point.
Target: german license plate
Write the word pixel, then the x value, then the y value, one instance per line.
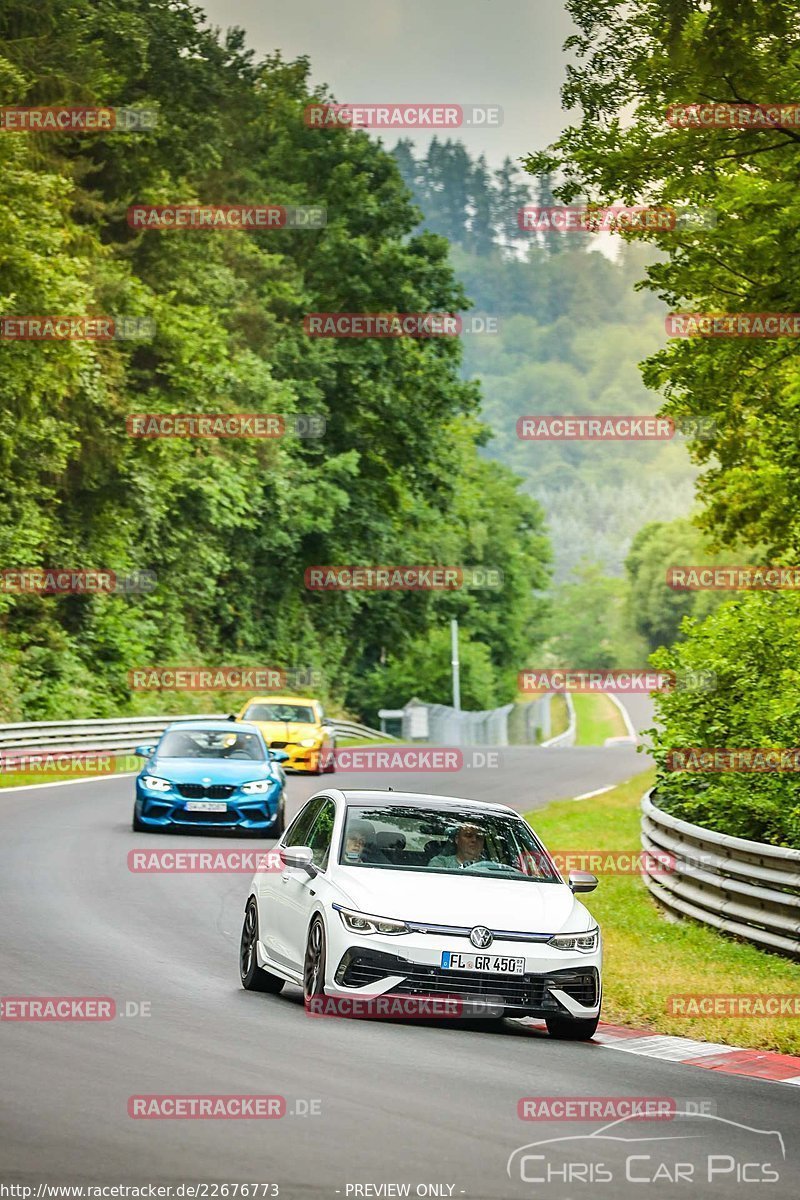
pixel 206 806
pixel 492 964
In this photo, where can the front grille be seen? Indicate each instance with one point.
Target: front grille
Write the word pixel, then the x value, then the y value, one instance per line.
pixel 196 791
pixel 529 992
pixel 182 817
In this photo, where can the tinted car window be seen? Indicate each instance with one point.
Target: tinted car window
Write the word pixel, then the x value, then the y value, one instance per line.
pixel 320 839
pixel 211 743
pixel 297 713
pixel 300 828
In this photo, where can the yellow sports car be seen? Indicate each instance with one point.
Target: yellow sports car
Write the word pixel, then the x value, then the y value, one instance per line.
pixel 296 725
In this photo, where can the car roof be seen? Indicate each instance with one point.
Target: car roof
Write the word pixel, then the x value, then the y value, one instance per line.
pixel 219 724
pixel 419 800
pixel 281 700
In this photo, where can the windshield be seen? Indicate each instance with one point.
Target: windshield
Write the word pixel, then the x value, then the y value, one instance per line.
pixel 298 713
pixel 446 841
pixel 211 743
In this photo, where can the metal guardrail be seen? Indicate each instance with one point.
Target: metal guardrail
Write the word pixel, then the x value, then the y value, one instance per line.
pixel 746 888
pixel 353 729
pixel 120 734
pixel 567 738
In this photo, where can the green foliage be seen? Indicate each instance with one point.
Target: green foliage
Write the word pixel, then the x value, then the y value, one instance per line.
pixel 633 60
pixel 427 658
pixel 752 645
pixel 228 526
pixel 587 624
pixel 656 610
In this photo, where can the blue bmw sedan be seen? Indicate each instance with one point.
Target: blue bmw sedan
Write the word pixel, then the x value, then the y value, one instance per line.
pixel 208 774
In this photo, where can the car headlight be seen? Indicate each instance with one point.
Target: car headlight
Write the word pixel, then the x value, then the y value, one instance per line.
pixel 155 784
pixel 308 742
pixel 583 942
pixel 358 922
pixel 256 787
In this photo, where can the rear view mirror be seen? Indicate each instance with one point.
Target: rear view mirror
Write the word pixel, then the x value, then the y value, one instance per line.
pixel 582 881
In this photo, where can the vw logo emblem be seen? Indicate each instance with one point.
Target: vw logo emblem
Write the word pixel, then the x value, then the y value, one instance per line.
pixel 481 937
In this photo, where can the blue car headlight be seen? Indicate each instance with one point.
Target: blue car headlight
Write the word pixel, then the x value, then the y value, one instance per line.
pixel 257 787
pixel 154 784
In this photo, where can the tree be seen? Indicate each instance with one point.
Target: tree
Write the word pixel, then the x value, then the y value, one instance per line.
pixel 634 60
pixel 228 526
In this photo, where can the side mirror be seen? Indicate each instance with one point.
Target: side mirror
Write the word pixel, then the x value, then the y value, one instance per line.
pixel 278 755
pixel 144 751
pixel 300 857
pixel 582 881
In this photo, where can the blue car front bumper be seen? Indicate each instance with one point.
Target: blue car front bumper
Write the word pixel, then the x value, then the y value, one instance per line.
pixel 162 810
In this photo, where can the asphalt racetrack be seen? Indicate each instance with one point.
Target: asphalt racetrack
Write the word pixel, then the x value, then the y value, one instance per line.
pixel 431 1105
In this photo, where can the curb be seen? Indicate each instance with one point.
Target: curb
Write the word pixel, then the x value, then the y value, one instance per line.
pixel 729 1060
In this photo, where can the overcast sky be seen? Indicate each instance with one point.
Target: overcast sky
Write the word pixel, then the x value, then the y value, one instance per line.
pixel 481 52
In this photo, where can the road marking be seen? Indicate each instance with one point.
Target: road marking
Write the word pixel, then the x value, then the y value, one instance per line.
pixel 597 792
pixel 626 716
pixel 26 787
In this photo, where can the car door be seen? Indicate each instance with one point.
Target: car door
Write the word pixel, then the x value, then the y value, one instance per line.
pixel 273 887
pixel 299 889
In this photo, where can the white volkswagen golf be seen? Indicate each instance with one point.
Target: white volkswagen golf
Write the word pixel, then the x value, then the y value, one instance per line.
pixel 389 893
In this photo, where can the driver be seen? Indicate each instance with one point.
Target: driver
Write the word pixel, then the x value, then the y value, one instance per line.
pixel 470 842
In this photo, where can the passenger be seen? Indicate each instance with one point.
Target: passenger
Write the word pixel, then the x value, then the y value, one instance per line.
pixel 360 846
pixel 470 842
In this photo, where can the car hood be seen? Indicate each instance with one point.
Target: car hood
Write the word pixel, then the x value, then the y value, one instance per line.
pixel 203 770
pixel 518 905
pixel 287 731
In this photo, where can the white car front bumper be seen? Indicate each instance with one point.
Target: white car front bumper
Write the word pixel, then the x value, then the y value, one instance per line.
pixel 553 980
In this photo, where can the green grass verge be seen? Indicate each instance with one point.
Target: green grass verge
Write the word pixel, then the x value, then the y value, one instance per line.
pixel 648 957
pixel 597 719
pixel 559 715
pixel 356 741
pixel 119 765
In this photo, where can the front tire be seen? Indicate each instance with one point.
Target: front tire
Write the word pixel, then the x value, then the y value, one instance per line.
pixel 572 1029
pixel 279 824
pixel 137 825
pixel 330 767
pixel 314 962
pixel 253 977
